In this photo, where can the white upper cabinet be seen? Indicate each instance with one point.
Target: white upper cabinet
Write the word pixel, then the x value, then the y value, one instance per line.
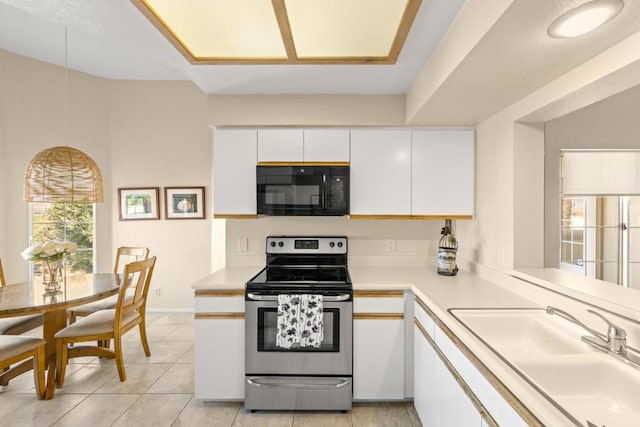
pixel 380 172
pixel 280 145
pixel 443 172
pixel 326 145
pixel 234 171
pixel 303 145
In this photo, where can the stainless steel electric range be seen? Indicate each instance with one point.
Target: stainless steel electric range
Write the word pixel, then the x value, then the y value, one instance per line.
pixel 300 378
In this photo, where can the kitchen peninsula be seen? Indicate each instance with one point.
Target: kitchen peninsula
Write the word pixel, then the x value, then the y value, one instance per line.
pixel 475 379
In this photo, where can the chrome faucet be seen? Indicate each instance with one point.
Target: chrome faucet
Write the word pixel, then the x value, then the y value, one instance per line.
pixel 614 342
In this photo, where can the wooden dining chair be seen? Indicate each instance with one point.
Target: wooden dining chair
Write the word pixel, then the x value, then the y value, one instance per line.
pixel 14 349
pixel 111 324
pixel 19 324
pixel 124 255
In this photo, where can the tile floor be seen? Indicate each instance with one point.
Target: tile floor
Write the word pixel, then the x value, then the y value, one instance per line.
pixel 159 392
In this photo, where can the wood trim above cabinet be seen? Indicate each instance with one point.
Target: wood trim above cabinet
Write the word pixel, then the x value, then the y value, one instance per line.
pixel 200 316
pixel 378 316
pixel 378 294
pixel 234 216
pixel 412 217
pixel 361 216
pixel 303 163
pixel 218 293
pixel 442 217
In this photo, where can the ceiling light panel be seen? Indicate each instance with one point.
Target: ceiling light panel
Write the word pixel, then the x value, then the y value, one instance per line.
pixel 340 28
pixel 284 31
pixel 234 29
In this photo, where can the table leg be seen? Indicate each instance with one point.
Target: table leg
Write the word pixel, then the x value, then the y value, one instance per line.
pixel 53 322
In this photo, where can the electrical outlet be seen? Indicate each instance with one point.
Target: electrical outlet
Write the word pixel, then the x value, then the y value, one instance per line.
pixel 158 293
pixel 243 244
pixel 391 245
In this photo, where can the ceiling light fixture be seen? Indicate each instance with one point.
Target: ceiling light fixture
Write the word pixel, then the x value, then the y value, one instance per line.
pixel 585 18
pixel 288 32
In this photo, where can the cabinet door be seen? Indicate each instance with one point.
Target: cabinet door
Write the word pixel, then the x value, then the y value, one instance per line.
pixel 443 173
pixel 453 406
pixel 280 145
pixel 378 359
pixel 326 145
pixel 219 359
pixel 380 172
pixel 234 172
pixel 424 396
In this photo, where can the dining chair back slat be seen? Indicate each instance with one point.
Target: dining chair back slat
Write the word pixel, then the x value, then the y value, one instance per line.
pixel 3 282
pixel 128 254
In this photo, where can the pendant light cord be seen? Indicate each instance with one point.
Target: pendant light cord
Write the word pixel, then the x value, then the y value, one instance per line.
pixel 66 87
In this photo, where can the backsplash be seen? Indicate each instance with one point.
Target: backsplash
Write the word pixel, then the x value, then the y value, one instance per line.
pixel 371 242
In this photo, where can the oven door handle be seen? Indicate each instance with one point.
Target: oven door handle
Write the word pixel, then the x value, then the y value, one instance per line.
pixel 267 383
pixel 328 298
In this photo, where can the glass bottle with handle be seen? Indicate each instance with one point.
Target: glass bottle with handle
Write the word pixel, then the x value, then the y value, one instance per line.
pixel 447 248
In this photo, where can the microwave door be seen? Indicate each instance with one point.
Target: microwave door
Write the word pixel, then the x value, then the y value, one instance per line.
pixel 291 194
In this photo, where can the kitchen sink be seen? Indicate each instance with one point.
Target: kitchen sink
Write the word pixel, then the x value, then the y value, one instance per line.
pixel 600 389
pixel 523 333
pixel 590 387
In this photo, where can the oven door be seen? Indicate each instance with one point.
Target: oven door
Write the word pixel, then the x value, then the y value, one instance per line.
pixel 263 357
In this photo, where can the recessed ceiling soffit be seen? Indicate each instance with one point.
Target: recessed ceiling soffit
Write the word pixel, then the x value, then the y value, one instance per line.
pixel 284 31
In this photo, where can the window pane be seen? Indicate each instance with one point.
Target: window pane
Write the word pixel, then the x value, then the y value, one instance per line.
pixel 565 253
pixel 578 253
pixel 634 211
pixel 71 222
pixel 578 236
pixel 609 215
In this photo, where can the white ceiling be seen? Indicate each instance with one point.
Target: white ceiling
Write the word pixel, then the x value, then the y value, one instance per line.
pixel 507 53
pixel 112 39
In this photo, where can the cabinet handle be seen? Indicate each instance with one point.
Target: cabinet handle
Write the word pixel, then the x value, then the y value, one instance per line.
pixel 257 383
pixel 258 297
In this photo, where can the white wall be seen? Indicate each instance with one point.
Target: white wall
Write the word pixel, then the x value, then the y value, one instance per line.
pixel 3 153
pixel 160 138
pixel 416 241
pixel 611 123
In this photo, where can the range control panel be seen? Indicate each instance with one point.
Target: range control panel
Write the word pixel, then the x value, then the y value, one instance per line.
pixel 306 245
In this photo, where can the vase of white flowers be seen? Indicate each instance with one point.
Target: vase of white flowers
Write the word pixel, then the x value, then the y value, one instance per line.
pixel 52 255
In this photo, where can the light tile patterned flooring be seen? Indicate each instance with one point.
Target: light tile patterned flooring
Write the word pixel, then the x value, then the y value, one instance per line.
pixel 159 392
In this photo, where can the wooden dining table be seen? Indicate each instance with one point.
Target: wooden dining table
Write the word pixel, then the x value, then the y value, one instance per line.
pixel 31 298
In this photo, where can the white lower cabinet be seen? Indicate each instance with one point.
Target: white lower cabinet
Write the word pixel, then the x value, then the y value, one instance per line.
pixel 219 351
pixel 378 359
pixel 452 406
pixel 378 346
pixel 424 396
pixel 438 397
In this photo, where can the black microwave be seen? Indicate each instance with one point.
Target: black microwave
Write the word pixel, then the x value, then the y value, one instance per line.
pixel 303 190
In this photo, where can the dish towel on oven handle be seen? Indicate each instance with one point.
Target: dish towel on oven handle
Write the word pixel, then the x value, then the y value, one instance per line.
pixel 299 321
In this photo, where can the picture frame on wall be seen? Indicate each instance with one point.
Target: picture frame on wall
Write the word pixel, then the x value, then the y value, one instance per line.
pixel 184 203
pixel 140 203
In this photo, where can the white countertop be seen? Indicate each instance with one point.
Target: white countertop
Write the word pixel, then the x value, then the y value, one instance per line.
pixel 228 278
